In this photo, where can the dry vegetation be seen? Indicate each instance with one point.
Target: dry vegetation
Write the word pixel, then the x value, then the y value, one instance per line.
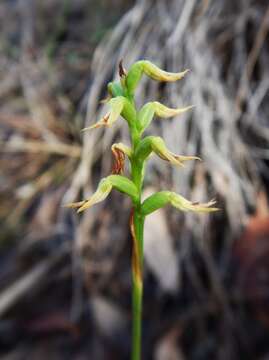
pixel 65 281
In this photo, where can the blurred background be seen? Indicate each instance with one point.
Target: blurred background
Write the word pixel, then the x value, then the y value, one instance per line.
pixel 65 282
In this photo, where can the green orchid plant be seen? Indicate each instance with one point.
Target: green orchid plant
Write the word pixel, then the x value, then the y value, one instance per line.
pixel 122 102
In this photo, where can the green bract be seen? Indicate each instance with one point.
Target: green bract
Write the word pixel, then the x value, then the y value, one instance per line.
pixel 122 103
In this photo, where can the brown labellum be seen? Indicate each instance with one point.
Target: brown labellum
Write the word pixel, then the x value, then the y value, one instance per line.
pixel 119 160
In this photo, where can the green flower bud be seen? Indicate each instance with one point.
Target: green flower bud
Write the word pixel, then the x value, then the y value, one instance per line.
pixel 133 77
pixel 115 89
pixel 137 69
pixel 145 115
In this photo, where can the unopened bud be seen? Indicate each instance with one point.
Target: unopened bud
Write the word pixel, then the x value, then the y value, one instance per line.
pixel 137 69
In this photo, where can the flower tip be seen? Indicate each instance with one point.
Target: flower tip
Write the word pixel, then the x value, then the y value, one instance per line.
pixel 179 163
pixel 190 107
pixel 208 206
pixel 74 205
pixel 182 74
pixel 84 206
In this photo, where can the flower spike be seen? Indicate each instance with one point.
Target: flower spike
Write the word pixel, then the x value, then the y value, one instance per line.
pixel 122 102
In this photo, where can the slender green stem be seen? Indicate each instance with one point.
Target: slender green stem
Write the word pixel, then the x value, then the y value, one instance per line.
pixel 137 228
pixel 137 294
pixel 137 279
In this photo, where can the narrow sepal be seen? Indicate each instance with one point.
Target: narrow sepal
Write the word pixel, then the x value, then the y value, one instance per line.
pixel 147 112
pixel 162 198
pixel 121 183
pixel 103 190
pixel 109 118
pixel 183 204
pixel 157 145
pixel 155 73
pixel 166 112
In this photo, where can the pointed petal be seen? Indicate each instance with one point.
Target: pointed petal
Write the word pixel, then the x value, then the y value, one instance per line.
pixel 121 183
pixel 183 204
pixel 75 205
pixel 155 73
pixel 162 198
pixel 166 112
pixel 103 190
pixel 160 149
pixel 100 123
pixel 116 105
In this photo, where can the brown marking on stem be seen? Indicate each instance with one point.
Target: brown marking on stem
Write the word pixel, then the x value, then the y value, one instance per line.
pixel 122 71
pixel 136 264
pixel 118 166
